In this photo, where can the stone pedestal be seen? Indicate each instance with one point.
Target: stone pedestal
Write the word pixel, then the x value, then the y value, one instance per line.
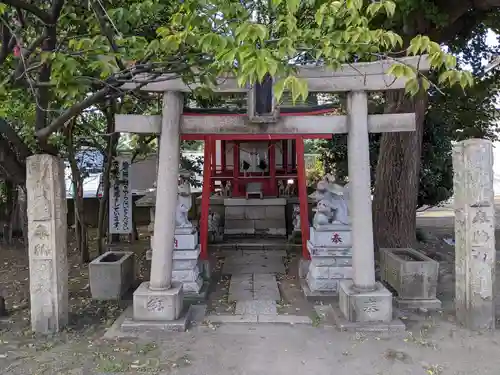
pixel 474 234
pixel 367 307
pixel 186 269
pixel 158 305
pixel 255 216
pixel 331 257
pixel 47 236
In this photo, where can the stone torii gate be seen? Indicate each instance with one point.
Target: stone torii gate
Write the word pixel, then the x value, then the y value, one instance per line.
pixel 160 300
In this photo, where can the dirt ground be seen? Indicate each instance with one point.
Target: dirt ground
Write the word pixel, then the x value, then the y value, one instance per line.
pixel 432 345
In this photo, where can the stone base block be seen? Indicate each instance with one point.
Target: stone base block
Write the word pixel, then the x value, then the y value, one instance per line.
pixel 331 236
pixel 315 296
pixel 187 253
pixel 186 241
pixel 184 264
pixel 337 317
pixel 414 304
pixel 365 307
pixel 330 272
pixel 322 285
pixel 183 276
pixel 192 287
pixel 126 326
pixel 317 251
pixel 157 305
pixel 197 298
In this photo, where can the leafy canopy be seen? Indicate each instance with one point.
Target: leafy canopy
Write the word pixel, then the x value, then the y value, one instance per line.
pixel 250 43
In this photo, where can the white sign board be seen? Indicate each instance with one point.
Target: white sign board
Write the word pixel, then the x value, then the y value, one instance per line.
pixel 120 198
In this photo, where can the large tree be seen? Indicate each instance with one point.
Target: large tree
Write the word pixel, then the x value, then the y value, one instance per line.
pixel 71 55
pixel 398 166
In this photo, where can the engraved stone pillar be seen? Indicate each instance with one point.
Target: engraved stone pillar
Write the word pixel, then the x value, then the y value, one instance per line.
pixel 474 233
pixel 47 240
pixel 159 299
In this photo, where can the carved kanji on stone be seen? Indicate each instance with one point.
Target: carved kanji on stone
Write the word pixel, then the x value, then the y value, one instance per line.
pixel 155 304
pixel 336 238
pixel 371 306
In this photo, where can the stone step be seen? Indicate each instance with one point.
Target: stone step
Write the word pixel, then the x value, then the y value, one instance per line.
pixel 265 287
pixel 256 307
pixel 241 288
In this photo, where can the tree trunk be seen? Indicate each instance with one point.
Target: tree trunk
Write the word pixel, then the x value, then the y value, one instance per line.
pixel 103 203
pixel 77 182
pixel 23 212
pixel 8 212
pixel 397 176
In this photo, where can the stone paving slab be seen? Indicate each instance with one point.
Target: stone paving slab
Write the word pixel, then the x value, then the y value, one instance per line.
pixel 284 319
pixel 263 318
pixel 265 287
pixel 248 318
pixel 241 288
pixel 256 307
pixel 333 316
pixel 253 264
pixel 268 253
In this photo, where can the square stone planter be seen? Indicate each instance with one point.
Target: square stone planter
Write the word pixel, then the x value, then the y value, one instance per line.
pixel 111 275
pixel 412 275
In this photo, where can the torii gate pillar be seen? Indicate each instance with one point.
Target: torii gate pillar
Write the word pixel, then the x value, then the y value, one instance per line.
pixel 160 299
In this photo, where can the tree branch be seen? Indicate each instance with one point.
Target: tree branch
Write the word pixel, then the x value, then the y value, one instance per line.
pixel 11 135
pixel 30 8
pixel 43 134
pixel 101 18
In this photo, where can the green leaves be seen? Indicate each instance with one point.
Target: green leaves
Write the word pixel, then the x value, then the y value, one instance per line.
pixel 296 86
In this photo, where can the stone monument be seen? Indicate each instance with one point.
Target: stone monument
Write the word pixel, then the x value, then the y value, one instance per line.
pixel 330 239
pixel 475 259
pixel 47 236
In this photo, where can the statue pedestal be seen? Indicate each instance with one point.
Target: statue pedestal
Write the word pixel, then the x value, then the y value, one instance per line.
pixel 185 268
pixel 331 257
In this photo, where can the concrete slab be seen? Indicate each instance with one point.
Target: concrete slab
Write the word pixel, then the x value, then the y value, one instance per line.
pixel 253 268
pixel 256 307
pixel 430 304
pixel 265 287
pixel 255 263
pixel 241 288
pixel 125 326
pixel 284 319
pixel 334 315
pixel 248 318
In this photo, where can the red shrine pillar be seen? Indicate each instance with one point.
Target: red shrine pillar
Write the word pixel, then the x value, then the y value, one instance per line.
pixel 236 168
pixel 205 198
pixel 213 163
pixel 284 156
pixel 223 156
pixel 272 168
pixel 302 190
